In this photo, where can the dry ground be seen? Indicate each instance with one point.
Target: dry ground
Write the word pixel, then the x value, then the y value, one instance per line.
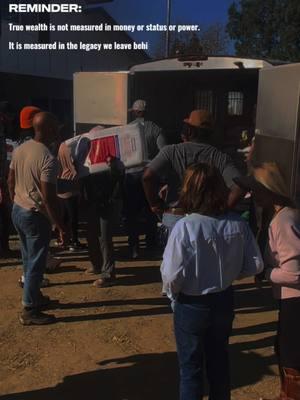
pixel 117 343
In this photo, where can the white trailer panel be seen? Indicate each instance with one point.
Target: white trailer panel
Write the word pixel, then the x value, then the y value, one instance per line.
pixel 101 98
pixel 277 121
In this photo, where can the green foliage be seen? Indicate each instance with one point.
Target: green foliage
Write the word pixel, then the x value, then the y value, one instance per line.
pixel 265 28
pixel 211 40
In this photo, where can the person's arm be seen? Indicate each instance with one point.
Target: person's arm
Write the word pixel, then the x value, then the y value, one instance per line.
pixel 161 140
pixel 151 188
pixel 235 195
pixel 252 263
pixel 159 166
pixel 283 276
pixel 287 242
pixel 11 182
pixel 49 195
pixel 51 203
pixel 229 173
pixel 176 256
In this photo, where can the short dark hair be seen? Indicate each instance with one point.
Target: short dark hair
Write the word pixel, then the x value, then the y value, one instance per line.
pixel 204 190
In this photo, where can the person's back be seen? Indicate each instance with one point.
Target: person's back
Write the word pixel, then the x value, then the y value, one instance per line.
pixel 215 251
pixel 206 251
pixel 32 163
pixel 169 166
pixel 173 160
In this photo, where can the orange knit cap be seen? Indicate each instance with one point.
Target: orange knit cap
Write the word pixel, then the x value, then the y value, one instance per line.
pixel 26 116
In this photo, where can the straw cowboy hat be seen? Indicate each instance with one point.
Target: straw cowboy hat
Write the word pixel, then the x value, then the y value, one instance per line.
pixel 267 176
pixel 200 119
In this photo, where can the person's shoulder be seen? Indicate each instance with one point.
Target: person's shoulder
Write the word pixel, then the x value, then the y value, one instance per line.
pixel 24 147
pixel 152 124
pixel 198 147
pixel 287 216
pixel 190 220
pixel 167 150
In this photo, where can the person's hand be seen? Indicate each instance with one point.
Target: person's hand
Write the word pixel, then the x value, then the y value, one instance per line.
pixel 157 210
pixel 63 236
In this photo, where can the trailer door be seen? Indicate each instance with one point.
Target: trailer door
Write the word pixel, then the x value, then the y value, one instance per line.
pixel 277 121
pixel 100 98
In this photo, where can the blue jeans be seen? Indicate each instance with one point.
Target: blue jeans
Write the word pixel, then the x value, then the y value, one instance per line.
pixel 202 327
pixel 34 230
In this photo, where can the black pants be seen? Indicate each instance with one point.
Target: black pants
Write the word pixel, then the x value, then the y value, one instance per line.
pixel 136 205
pixel 70 210
pixel 100 238
pixel 288 335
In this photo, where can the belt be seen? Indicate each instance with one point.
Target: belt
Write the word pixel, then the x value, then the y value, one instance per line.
pixel 175 211
pixel 214 296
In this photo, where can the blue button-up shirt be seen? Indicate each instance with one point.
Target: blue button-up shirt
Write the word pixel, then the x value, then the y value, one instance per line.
pixel 206 254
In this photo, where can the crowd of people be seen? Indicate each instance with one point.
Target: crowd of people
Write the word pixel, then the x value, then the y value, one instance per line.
pixel 193 189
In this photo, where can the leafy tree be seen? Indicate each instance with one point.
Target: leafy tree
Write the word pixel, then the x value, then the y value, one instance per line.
pixel 265 28
pixel 211 40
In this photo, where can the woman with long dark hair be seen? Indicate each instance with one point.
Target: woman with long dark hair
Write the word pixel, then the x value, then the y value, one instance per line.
pixel 207 250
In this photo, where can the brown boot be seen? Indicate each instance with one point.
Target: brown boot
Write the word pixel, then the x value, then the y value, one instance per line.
pixel 291 386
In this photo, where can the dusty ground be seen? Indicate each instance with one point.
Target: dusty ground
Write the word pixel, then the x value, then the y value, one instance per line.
pixel 117 343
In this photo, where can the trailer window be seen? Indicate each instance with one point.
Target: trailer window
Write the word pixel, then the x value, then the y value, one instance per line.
pixel 204 100
pixel 235 103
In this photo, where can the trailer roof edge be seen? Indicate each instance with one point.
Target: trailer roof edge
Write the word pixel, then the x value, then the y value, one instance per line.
pixel 195 63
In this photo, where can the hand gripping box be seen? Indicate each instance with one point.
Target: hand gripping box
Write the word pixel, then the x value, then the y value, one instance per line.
pixel 91 150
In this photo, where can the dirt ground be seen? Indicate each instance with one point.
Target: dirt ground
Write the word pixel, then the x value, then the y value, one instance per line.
pixel 117 343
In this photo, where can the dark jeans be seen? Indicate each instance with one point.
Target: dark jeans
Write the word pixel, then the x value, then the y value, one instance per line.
pixel 202 327
pixel 99 238
pixel 135 204
pixel 34 230
pixel 70 209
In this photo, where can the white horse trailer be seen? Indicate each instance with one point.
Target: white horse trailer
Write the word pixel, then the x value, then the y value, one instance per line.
pixel 278 120
pixel 172 88
pixel 231 88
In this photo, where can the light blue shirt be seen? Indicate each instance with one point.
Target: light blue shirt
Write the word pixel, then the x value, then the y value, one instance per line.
pixel 206 254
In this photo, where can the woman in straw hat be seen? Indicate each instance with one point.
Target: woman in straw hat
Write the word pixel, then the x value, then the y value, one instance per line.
pixel 207 250
pixel 282 259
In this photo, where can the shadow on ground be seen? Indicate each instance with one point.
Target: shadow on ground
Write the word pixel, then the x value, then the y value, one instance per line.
pixel 141 377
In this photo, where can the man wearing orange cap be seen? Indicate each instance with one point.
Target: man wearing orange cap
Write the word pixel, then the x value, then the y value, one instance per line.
pixel 27 132
pixel 172 161
pixel 26 116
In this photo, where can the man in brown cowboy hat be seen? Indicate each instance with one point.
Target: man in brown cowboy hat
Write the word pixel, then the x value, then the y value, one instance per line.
pixel 172 161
